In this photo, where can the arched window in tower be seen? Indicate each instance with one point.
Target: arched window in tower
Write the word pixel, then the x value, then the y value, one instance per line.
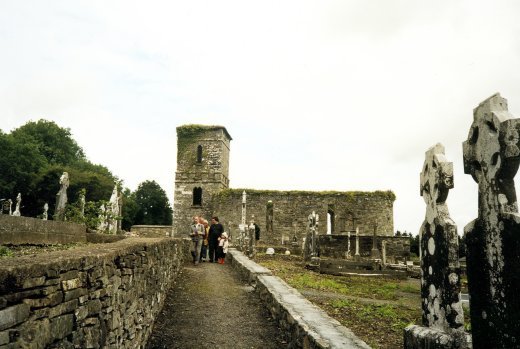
pixel 197 196
pixel 199 154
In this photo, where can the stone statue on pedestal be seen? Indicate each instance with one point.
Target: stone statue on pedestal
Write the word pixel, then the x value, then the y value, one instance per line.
pixel 61 198
pixel 18 203
pixel 45 209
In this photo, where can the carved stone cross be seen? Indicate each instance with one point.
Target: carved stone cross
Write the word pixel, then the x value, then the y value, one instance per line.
pixel 436 181
pixel 492 156
pixel 440 271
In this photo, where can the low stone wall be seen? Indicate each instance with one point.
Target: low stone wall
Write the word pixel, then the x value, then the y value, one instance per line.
pixel 27 230
pixel 306 325
pixel 152 231
pixel 336 246
pixel 97 296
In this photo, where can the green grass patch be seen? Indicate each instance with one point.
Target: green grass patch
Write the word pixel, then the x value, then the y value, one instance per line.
pixel 5 251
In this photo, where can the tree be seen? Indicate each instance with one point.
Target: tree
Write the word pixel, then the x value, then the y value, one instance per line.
pixel 130 209
pixel 19 164
pixel 153 205
pixel 97 186
pixel 34 156
pixel 54 143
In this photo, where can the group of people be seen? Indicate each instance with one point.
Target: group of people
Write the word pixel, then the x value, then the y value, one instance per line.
pixel 208 242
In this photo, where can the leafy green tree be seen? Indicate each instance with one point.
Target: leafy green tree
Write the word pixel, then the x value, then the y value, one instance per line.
pixel 34 156
pixel 19 165
pixel 54 143
pixel 130 209
pixel 153 205
pixel 98 186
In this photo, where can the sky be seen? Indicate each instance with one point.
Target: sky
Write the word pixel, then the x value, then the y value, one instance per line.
pixel 317 95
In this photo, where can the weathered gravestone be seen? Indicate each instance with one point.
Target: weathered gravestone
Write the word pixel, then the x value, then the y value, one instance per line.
pixel 45 213
pixel 61 198
pixel 18 204
pixel 374 253
pixel 311 241
pixel 251 248
pixel 442 315
pixel 491 156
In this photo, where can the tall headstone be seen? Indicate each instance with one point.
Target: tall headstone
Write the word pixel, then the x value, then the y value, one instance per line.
pixel 82 203
pixel 45 214
pixel 112 211
pixel 491 157
pixel 442 314
pixel 61 198
pixel 269 213
pixel 244 208
pixel 348 256
pixel 18 203
pixel 243 228
pixel 440 268
pixel 102 218
pixel 357 256
pixel 311 243
pixel 251 248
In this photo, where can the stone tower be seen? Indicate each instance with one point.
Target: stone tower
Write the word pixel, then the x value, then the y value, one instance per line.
pixel 202 170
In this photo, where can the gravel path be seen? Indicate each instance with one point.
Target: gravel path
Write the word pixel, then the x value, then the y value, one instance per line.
pixel 210 307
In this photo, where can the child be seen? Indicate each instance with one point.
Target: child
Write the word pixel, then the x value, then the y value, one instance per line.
pixel 222 249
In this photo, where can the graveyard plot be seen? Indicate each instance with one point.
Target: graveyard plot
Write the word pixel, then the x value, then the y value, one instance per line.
pixel 376 309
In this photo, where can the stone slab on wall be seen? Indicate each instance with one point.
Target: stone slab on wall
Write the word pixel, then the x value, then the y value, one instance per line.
pixel 291 209
pixel 96 296
pixel 27 230
pixel 152 231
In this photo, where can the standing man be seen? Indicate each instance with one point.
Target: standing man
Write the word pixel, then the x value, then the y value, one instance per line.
pixel 197 237
pixel 215 230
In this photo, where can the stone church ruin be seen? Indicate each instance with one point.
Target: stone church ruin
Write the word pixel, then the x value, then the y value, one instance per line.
pixel 202 188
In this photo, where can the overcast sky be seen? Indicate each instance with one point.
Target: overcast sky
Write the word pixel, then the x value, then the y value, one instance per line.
pixel 317 95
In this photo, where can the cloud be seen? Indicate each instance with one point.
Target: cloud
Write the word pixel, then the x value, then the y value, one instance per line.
pixel 344 95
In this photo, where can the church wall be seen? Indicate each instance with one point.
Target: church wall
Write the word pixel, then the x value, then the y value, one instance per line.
pixel 291 209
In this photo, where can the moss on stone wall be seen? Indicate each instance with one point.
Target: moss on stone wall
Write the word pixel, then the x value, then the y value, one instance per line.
pixel 349 195
pixel 187 134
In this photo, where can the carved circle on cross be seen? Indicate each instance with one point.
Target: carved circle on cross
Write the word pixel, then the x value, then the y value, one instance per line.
pixel 436 176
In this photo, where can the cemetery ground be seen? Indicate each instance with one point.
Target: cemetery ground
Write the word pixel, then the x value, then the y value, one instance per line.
pixel 376 309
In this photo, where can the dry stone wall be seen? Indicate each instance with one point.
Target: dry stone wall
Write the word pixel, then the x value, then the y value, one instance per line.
pixel 291 209
pixel 26 230
pixel 99 296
